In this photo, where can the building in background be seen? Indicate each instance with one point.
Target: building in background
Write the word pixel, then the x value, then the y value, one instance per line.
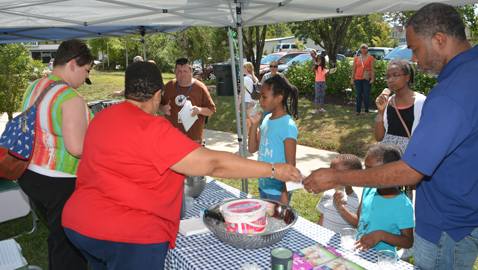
pixel 400 32
pixel 44 52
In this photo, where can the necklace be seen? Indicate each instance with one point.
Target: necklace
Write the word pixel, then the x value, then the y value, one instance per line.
pixel 180 100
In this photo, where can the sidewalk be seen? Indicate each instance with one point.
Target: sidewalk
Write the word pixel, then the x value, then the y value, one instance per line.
pixel 307 159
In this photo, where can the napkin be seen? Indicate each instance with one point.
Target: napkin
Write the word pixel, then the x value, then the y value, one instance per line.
pixel 295 185
pixel 192 226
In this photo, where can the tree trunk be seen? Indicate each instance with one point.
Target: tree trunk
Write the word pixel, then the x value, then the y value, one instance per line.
pixel 10 115
pixel 259 41
pixel 333 36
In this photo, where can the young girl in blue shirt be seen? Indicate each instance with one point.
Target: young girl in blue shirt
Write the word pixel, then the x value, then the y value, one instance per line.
pixel 276 138
pixel 384 219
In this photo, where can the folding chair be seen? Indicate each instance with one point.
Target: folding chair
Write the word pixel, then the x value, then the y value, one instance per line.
pixel 14 203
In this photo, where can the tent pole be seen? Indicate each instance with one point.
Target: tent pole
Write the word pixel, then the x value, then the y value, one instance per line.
pixel 144 50
pixel 126 54
pixel 243 101
pixel 234 86
pixel 143 32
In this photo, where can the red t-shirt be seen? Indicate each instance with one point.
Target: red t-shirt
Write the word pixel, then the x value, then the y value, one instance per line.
pixel 367 64
pixel 125 191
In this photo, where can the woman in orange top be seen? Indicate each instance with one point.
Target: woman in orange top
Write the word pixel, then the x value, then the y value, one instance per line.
pixel 363 62
pixel 321 73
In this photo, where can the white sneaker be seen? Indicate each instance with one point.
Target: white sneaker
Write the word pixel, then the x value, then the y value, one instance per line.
pixel 405 253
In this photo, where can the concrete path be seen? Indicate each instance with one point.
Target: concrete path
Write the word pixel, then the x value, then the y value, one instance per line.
pixel 308 159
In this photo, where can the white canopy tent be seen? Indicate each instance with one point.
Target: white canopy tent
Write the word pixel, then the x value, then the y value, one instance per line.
pixel 40 14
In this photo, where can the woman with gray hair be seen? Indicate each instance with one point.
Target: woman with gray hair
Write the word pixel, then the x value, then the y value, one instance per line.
pixel 125 210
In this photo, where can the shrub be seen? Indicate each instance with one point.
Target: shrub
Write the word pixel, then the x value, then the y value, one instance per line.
pixel 304 80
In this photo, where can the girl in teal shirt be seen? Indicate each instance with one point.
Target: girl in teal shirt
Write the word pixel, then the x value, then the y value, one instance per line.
pixel 276 139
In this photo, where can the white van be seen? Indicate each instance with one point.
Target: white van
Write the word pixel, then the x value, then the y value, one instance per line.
pixel 377 52
pixel 287 47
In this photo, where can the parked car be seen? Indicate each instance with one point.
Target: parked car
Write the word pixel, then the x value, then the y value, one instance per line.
pixel 400 52
pixel 198 73
pixel 300 59
pixel 287 47
pixel 348 52
pixel 281 59
pixel 296 60
pixel 377 52
pixel 50 65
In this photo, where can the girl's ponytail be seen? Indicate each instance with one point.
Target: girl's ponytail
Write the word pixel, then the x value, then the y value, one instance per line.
pixel 282 86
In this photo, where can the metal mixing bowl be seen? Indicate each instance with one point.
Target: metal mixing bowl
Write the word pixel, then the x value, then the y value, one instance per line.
pixel 256 240
pixel 194 185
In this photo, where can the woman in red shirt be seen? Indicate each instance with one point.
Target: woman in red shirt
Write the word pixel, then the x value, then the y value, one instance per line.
pixel 124 212
pixel 363 62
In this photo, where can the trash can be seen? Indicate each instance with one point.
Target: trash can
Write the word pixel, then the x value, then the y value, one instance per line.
pixel 224 83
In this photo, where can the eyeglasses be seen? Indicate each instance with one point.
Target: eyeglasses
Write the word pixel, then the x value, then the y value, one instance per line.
pixel 394 76
pixel 273 66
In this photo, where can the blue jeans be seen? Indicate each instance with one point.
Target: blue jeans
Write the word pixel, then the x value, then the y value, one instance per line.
pixel 448 254
pixel 104 255
pixel 363 87
pixel 276 198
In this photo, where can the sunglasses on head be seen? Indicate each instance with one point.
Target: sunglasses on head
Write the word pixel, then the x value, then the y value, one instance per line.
pixel 182 61
pixel 273 66
pixel 80 54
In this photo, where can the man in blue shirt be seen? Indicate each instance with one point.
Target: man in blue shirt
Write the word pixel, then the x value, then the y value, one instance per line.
pixel 441 156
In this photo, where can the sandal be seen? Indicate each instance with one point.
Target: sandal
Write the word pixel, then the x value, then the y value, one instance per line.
pixel 365 114
pixel 356 114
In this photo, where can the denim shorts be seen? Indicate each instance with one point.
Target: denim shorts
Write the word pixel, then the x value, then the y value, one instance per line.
pixel 448 254
pixel 276 198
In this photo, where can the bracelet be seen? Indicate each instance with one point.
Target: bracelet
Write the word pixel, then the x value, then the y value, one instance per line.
pixel 379 118
pixel 273 169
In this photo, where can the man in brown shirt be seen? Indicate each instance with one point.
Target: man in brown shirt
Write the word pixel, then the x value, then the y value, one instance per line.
pixel 183 88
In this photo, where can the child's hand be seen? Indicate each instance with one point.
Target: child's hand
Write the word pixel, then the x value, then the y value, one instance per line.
pixel 381 102
pixel 369 240
pixel 339 200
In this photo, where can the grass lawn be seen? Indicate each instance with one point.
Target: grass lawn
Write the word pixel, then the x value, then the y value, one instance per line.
pixel 335 130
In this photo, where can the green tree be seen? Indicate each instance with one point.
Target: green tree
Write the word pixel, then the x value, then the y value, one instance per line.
pixel 300 45
pixel 16 70
pixel 254 36
pixel 330 32
pixel 210 45
pixel 370 29
pixel 467 12
pixel 278 30
pixel 157 49
pixel 219 45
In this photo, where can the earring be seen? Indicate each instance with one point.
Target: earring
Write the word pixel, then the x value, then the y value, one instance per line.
pixel 157 103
